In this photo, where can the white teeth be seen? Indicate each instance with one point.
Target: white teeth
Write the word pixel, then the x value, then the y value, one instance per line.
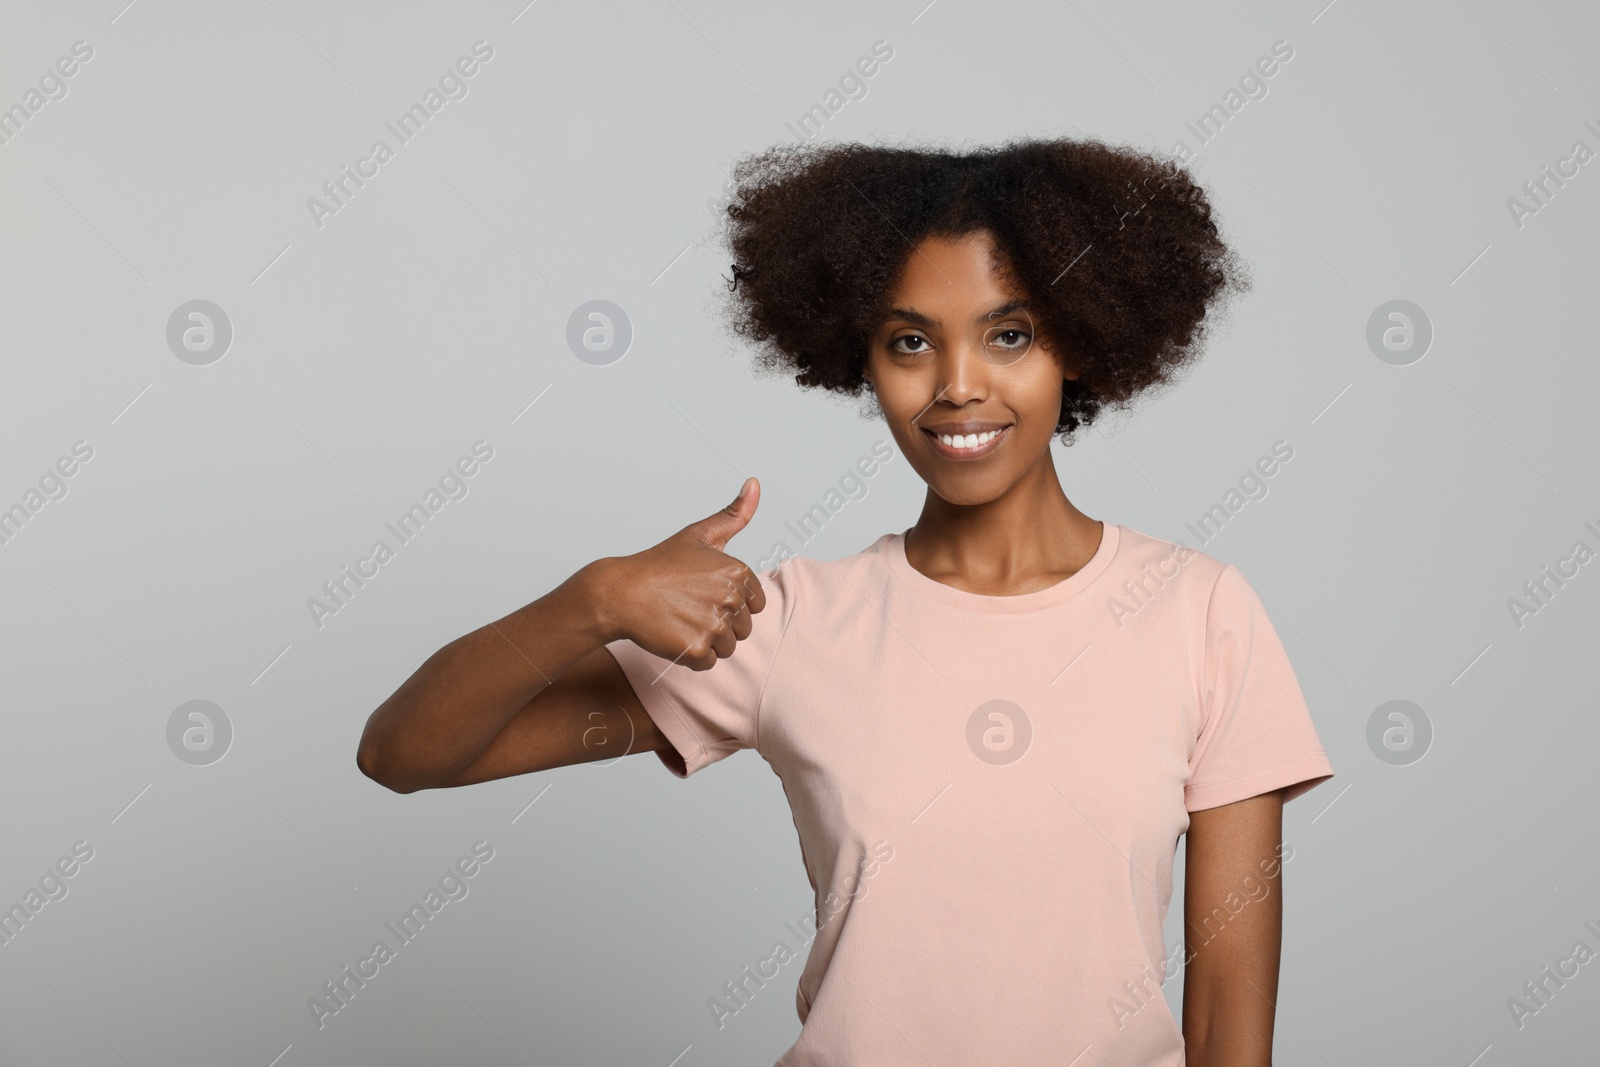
pixel 971 440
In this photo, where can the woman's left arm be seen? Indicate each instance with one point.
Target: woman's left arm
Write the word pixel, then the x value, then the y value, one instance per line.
pixel 1233 920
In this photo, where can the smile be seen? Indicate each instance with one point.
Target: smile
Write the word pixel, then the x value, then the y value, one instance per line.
pixel 967 446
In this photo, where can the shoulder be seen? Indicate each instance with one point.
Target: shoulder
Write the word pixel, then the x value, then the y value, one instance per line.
pixel 805 579
pixel 1145 553
pixel 807 569
pixel 1154 570
pixel 1218 600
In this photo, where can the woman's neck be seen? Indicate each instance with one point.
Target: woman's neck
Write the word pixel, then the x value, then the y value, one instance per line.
pixel 1029 538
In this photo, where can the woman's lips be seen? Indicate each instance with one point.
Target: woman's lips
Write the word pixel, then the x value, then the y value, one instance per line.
pixel 978 452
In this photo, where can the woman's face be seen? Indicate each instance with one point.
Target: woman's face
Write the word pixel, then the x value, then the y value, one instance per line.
pixel 961 354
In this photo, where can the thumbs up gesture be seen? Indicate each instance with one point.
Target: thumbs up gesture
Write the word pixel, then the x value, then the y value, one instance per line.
pixel 686 599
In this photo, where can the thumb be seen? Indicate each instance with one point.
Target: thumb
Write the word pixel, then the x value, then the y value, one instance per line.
pixel 718 528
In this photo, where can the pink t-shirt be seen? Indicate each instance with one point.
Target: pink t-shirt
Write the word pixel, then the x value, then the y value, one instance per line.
pixel 989 790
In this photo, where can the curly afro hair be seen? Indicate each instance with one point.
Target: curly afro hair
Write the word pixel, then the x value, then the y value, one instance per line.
pixel 1114 247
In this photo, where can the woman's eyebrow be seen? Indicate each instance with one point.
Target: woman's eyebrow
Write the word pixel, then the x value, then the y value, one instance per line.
pixel 917 317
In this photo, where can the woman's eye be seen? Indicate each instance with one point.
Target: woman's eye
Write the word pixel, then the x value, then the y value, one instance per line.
pixel 902 340
pixel 1012 338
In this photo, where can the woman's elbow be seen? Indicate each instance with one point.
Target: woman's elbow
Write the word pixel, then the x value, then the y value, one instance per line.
pixel 372 765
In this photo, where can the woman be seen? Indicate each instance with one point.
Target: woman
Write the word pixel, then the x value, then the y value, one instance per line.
pixel 993 727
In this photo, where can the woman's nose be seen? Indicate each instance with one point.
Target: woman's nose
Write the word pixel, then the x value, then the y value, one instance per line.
pixel 963 373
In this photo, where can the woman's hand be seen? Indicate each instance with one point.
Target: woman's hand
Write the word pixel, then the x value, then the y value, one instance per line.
pixel 685 599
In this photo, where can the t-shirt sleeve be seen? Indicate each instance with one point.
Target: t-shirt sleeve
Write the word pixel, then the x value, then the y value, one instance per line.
pixel 1256 733
pixel 709 715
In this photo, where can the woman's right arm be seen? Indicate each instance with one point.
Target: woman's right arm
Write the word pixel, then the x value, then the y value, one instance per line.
pixel 510 697
pixel 537 689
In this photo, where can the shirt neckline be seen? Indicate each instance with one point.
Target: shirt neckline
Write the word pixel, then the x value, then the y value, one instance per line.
pixel 929 588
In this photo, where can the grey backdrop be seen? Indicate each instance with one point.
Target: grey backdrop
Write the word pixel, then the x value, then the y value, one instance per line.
pixel 372 346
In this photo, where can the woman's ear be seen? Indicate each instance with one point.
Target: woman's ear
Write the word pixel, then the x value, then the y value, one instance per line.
pixel 1071 367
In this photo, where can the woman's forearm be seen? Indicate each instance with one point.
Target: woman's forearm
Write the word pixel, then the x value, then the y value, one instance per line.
pixel 444 715
pixel 1230 1025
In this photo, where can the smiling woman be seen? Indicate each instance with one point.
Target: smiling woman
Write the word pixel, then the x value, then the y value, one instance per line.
pixel 956 692
pixel 821 235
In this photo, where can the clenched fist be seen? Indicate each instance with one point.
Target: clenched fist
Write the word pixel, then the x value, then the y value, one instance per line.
pixel 685 599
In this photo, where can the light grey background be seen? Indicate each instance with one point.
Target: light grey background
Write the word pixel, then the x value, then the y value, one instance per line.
pixel 429 312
